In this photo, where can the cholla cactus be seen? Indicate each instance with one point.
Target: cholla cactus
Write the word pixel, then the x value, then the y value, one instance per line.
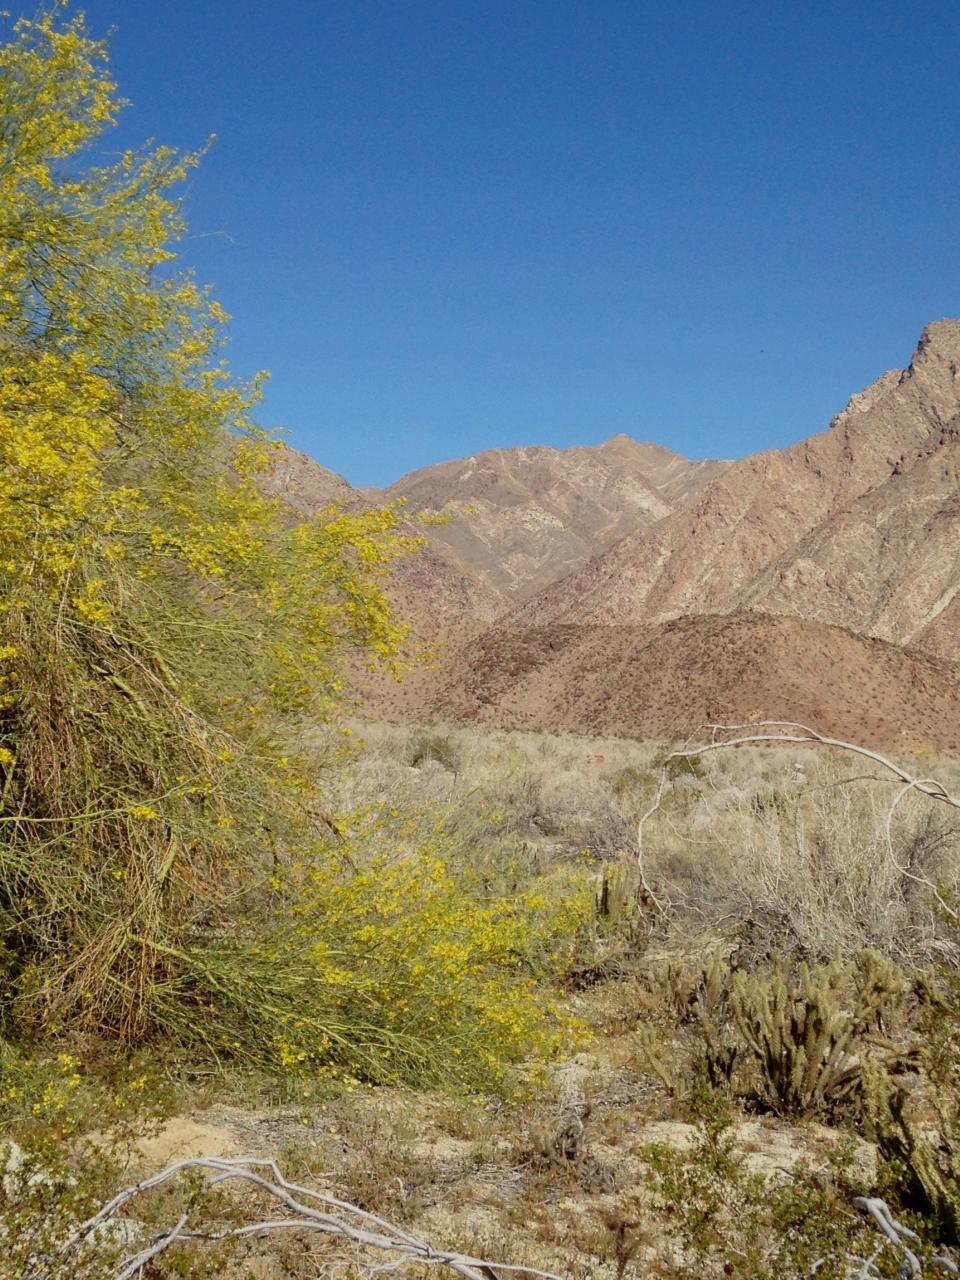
pixel 811 1038
pixel 704 998
pixel 918 1128
pixel 796 1044
pixel 711 1008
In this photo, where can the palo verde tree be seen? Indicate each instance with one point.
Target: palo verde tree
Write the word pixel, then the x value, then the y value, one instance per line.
pixel 164 624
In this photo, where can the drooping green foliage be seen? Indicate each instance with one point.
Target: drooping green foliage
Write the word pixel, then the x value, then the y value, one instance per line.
pixel 170 636
pixel 161 617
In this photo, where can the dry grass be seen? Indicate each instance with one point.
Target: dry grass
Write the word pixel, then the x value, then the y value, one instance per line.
pixel 762 849
pixel 787 846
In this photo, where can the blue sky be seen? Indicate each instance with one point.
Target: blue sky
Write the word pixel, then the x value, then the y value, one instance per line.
pixel 450 225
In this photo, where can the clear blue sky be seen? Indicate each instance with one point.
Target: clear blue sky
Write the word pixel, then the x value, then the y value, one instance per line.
pixel 450 225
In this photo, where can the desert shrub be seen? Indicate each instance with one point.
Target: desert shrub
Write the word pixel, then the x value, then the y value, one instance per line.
pixel 164 625
pixel 440 748
pixel 439 975
pixel 922 1147
pixel 719 1218
pixel 50 1193
pixel 401 966
pixel 809 856
pixel 632 784
pixel 406 948
pixel 46 1098
pixel 519 799
pixel 70 1125
pixel 683 767
pixel 42 1206
pixel 801 1042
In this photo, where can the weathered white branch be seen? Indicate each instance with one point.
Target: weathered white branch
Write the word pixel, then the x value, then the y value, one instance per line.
pixel 929 787
pixel 310 1211
pixel 641 822
pixel 926 786
pixel 314 1211
pixel 895 1231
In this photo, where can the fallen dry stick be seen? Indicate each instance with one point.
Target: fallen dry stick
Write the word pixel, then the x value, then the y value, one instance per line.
pixel 306 1210
pixel 309 1210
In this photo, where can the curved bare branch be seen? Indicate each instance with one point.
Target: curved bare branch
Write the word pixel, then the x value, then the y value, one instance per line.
pixel 309 1211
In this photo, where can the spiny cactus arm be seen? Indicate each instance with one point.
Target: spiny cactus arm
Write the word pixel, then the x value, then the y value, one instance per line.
pixel 310 1211
pixel 830 1035
pixel 757 1010
pixel 649 1052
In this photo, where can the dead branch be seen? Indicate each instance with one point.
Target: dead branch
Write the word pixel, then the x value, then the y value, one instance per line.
pixel 926 786
pixel 780 732
pixel 308 1210
pixel 641 822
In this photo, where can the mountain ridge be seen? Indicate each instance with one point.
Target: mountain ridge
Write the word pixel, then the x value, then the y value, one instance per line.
pixel 708 556
pixel 846 543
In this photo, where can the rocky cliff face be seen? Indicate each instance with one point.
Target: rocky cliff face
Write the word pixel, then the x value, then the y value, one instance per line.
pixel 515 520
pixel 519 519
pixel 854 526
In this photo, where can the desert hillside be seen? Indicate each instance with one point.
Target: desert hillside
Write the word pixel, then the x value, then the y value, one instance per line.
pixel 816 530
pixel 666 681
pixel 624 589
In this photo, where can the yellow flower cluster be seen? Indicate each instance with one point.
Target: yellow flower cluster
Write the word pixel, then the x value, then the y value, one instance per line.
pixel 161 616
pixel 420 947
pixel 56 1096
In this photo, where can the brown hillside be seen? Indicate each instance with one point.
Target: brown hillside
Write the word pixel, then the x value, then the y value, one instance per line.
pixel 519 519
pixel 668 680
pixel 305 485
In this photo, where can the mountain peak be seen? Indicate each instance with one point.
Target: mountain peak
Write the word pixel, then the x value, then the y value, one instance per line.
pixel 521 518
pixel 623 441
pixel 939 342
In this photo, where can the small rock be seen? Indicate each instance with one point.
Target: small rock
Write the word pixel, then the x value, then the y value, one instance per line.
pixel 15 1178
pixel 116 1233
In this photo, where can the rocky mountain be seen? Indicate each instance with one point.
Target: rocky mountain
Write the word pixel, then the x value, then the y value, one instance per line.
pixel 888 565
pixel 514 520
pixel 623 589
pixel 519 519
pixel 829 529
